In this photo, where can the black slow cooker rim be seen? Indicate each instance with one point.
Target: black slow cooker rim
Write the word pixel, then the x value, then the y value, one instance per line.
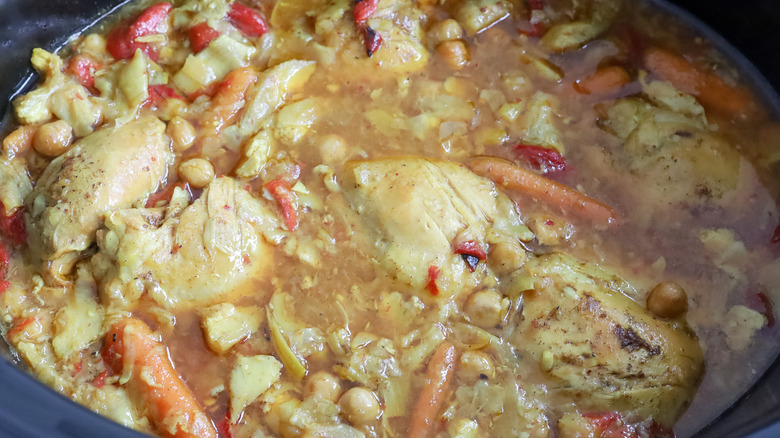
pixel 30 409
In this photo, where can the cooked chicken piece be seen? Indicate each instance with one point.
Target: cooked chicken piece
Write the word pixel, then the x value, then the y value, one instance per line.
pixel 670 146
pixel 15 183
pixel 592 19
pixel 105 171
pixel 195 255
pixel 602 349
pixel 419 211
pixel 398 22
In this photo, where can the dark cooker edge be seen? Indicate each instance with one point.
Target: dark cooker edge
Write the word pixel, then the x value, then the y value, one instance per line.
pixel 30 410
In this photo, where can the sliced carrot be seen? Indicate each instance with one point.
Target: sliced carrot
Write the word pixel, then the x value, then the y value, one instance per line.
pixel 604 81
pixel 172 407
pixel 229 99
pixel 287 200
pixel 437 384
pixel 508 174
pixel 712 91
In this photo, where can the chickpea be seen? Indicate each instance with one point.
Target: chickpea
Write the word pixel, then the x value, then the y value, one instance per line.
pixel 323 384
pixel 279 413
pixel 19 141
pixel 197 171
pixel 484 308
pixel 474 365
pixel 94 45
pixel 455 53
pixel 506 257
pixel 181 132
pixel 446 30
pixel 667 300
pixel 360 406
pixel 53 139
pixel 333 149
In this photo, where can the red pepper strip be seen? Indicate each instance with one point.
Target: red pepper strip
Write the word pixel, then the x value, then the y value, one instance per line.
pixel 656 430
pixel 287 200
pixel 159 93
pixel 776 235
pixel 545 159
pixel 20 327
pixel 201 35
pixel 83 67
pixel 363 10
pixel 472 253
pixel 433 275
pixel 224 426
pixel 372 40
pixel 537 27
pixel 471 247
pixel 603 420
pixel 610 425
pixel 12 225
pixel 121 41
pixel 5 259
pixel 247 20
pixel 768 309
pixel 536 30
pixel 166 193
pixel 100 380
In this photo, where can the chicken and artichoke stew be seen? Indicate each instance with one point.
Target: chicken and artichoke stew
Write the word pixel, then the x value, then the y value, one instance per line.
pixel 391 218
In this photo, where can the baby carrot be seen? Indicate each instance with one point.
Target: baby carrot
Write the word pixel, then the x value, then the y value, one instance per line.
pixel 507 174
pixel 712 91
pixel 229 98
pixel 604 81
pixel 172 407
pixel 437 384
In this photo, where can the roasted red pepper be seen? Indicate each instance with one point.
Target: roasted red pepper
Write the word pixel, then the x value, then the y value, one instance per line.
pixel 537 28
pixel 247 20
pixel 611 425
pixel 121 41
pixel 159 93
pixel 224 426
pixel 82 68
pixel 364 9
pixel 472 253
pixel 545 159
pixel 12 225
pixel 768 310
pixel 372 40
pixel 100 380
pixel 5 259
pixel 287 200
pixel 433 275
pixel 201 35
pixel 361 12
